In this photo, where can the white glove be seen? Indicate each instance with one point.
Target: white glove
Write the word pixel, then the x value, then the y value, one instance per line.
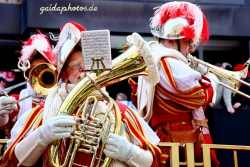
pixel 215 82
pixel 4 101
pixel 118 147
pixel 203 70
pixel 55 128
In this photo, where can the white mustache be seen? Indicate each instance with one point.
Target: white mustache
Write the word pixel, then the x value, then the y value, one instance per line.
pixel 81 76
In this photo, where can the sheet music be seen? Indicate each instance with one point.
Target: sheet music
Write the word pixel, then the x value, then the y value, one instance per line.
pixel 96 49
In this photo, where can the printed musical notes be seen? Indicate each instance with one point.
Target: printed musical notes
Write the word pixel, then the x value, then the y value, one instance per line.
pixel 96 50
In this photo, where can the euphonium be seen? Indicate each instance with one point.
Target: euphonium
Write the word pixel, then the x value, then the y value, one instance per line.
pixel 90 134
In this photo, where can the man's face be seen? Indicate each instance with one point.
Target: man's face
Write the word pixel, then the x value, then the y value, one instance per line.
pixel 36 62
pixel 185 47
pixel 3 84
pixel 119 98
pixel 74 68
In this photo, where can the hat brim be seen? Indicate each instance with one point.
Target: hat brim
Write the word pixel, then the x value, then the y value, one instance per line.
pixel 70 38
pixel 66 50
pixel 44 56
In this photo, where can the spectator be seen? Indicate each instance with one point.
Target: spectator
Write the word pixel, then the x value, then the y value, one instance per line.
pixel 239 100
pixel 227 66
pixel 224 95
pixel 121 97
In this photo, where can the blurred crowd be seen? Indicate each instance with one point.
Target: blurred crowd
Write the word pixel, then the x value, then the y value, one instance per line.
pixel 229 98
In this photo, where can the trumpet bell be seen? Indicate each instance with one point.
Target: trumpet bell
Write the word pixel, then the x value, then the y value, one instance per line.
pixel 43 77
pixel 233 77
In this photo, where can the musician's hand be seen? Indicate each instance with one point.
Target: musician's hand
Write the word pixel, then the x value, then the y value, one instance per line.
pixel 203 70
pixel 237 105
pixel 55 128
pixel 5 101
pixel 231 110
pixel 118 147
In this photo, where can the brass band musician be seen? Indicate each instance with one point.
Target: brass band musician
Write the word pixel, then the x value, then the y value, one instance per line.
pixel 47 127
pixel 175 106
pixel 35 50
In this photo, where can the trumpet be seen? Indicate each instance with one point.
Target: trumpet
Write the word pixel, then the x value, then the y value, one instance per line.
pixel 42 78
pixel 233 77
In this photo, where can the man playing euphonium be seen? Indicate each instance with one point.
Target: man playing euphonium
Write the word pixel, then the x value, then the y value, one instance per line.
pixel 140 150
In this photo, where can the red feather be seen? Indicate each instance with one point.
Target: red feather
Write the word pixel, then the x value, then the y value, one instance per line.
pixel 185 10
pixel 205 30
pixel 188 32
pixel 29 42
pixel 51 56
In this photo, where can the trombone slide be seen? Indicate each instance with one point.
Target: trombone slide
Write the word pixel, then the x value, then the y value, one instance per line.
pixel 13 87
pixel 234 90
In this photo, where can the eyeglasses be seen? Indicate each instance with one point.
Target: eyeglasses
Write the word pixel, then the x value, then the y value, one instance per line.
pixel 75 64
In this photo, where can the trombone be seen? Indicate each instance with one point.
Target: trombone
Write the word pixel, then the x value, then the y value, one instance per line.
pixel 42 78
pixel 233 77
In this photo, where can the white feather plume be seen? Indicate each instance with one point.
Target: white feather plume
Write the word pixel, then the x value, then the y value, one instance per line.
pixel 39 43
pixel 170 8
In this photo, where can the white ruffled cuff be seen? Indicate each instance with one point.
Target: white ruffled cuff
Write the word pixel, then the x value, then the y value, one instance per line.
pixel 143 47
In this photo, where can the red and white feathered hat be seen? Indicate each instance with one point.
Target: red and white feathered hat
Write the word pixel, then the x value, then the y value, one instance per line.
pixel 177 20
pixel 36 43
pixel 69 37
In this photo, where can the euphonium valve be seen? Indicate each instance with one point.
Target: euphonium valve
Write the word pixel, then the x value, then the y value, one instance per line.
pixel 91 131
